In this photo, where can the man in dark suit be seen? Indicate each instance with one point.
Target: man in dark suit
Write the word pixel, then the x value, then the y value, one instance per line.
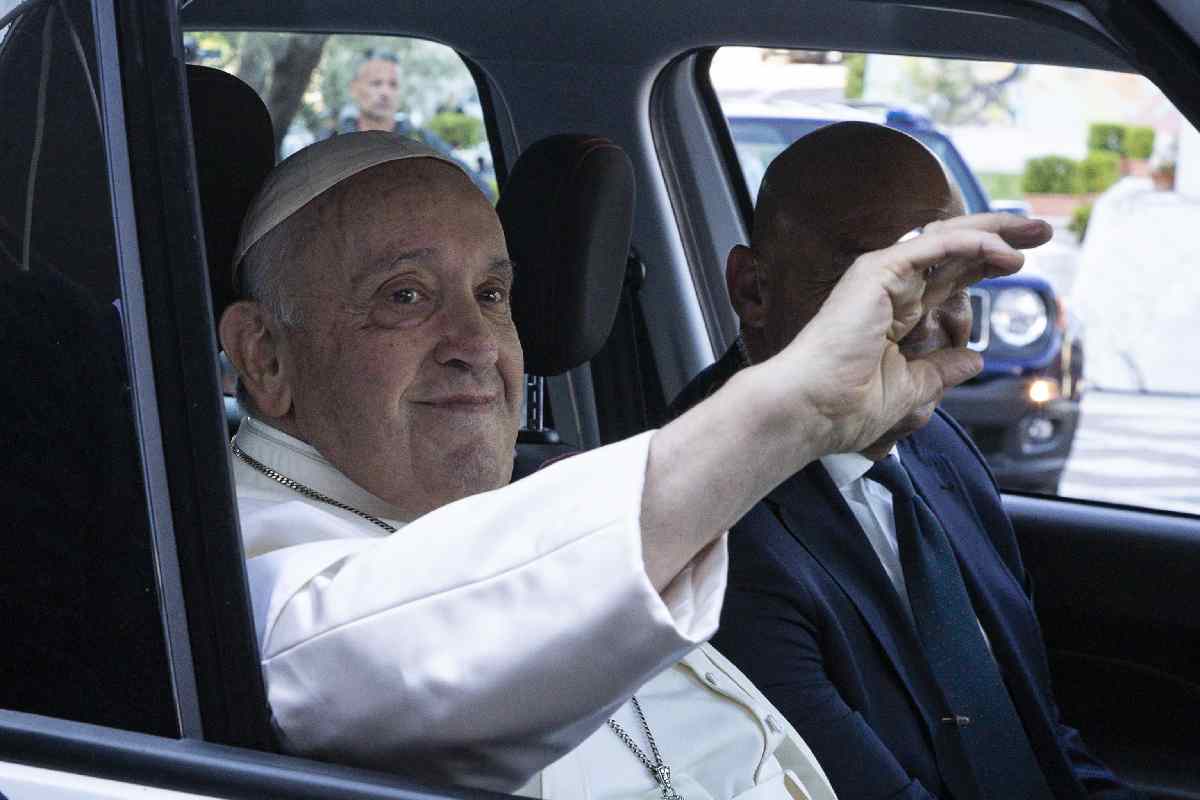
pixel 878 598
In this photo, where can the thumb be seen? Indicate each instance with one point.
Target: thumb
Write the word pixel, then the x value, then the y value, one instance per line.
pixel 952 367
pixel 943 369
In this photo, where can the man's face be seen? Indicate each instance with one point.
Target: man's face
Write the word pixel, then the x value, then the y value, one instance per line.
pixel 407 367
pixel 376 89
pixel 804 271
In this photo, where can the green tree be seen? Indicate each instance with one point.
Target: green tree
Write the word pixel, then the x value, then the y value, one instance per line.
pixel 279 66
pixel 963 92
pixel 457 128
pixel 856 73
pixel 306 77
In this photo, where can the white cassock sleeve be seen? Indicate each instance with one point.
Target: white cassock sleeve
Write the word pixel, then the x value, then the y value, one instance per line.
pixel 482 641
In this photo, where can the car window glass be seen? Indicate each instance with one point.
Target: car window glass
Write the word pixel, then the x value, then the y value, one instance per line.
pixel 1091 383
pixel 78 589
pixel 317 85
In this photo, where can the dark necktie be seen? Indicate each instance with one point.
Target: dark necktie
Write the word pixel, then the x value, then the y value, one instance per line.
pixel 992 737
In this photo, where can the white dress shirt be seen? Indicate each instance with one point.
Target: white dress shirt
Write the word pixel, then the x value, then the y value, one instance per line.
pixel 872 507
pixel 480 642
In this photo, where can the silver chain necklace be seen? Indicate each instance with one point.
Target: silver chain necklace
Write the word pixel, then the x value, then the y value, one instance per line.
pixel 658 768
pixel 296 486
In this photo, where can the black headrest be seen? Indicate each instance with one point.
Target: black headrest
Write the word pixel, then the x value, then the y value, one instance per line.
pixel 235 149
pixel 567 211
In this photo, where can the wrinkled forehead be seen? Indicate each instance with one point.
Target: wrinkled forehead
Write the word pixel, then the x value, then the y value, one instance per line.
pixel 413 217
pixel 419 206
pixel 307 176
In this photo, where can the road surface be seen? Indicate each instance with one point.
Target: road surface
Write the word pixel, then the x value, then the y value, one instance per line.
pixel 1134 449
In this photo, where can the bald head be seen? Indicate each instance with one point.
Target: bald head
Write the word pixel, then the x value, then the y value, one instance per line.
pixel 833 195
pixel 849 185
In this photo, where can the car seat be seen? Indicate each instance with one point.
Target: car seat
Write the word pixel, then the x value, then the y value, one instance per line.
pixel 567 212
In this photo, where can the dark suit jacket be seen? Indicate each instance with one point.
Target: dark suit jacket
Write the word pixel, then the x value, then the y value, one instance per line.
pixel 813 619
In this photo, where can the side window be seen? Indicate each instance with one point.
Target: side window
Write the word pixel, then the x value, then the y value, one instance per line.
pixel 79 599
pixel 1091 380
pixel 316 86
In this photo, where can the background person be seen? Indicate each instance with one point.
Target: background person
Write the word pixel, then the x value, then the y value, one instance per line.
pixel 375 90
pixel 895 631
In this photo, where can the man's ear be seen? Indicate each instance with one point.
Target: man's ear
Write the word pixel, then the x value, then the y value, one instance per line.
pixel 259 355
pixel 749 291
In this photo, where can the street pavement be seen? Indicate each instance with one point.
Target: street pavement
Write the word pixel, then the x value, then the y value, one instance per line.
pixel 1131 448
pixel 1137 449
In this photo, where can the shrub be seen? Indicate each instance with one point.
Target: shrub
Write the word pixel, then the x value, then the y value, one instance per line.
pixel 1139 141
pixel 1001 185
pixel 856 70
pixel 1079 220
pixel 1050 175
pixel 1107 136
pixel 1098 171
pixel 460 130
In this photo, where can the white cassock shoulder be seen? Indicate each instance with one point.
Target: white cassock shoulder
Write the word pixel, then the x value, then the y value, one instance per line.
pixel 480 642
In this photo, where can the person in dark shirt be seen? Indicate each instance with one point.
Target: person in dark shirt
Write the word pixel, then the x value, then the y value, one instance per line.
pixel 375 90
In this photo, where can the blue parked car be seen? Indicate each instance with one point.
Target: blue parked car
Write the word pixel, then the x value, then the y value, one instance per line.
pixel 1023 409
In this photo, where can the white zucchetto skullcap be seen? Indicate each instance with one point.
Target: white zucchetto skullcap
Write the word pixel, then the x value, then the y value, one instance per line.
pixel 315 169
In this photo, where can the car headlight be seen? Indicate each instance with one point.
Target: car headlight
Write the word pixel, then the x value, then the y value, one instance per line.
pixel 1019 316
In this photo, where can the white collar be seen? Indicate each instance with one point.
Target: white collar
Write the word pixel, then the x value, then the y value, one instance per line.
pixel 302 463
pixel 846 468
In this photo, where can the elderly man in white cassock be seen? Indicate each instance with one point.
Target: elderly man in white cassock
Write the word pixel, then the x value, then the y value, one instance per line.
pixel 417 614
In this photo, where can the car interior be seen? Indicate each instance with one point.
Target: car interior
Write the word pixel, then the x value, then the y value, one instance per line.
pixel 620 197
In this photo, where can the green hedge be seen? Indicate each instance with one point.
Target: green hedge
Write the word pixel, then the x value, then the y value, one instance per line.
pixel 1106 136
pixel 1001 185
pixel 1139 141
pixel 856 70
pixel 1079 220
pixel 1100 170
pixel 460 130
pixel 1051 175
pixel 1130 141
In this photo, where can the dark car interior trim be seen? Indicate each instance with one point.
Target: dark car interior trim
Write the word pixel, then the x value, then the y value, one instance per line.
pixel 1005 29
pixel 677 98
pixel 188 765
pixel 142 377
pixel 229 687
pixel 1116 595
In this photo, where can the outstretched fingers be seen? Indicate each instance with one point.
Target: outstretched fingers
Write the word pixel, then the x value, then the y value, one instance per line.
pixel 1016 231
pixel 920 273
